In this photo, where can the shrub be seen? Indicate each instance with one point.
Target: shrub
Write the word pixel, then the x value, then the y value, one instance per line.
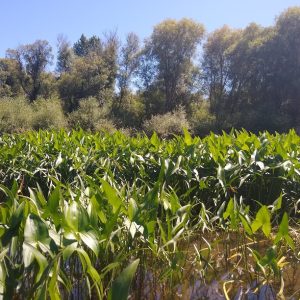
pixel 201 120
pixel 48 88
pixel 15 115
pixel 91 116
pixel 131 111
pixel 47 114
pixel 167 124
pixel 105 125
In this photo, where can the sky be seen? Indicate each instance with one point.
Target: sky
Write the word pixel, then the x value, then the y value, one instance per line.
pixel 24 21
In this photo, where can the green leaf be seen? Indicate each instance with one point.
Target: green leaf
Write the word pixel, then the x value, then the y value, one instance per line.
pixel 87 267
pixel 120 287
pixel 112 221
pixel 41 293
pixel 90 239
pixel 290 242
pixel 284 225
pixel 36 230
pixel 76 217
pixel 52 286
pixel 177 165
pixel 269 257
pixel 174 202
pixel 2 278
pixel 221 177
pixel 283 232
pixel 53 201
pixel 246 225
pixel 132 209
pixel 278 203
pixel 30 254
pixel 16 220
pixel 155 140
pixel 68 251
pixel 229 210
pixel 111 195
pixel 263 219
pixel 187 137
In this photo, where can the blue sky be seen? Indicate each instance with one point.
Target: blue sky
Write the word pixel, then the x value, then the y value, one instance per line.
pixel 24 21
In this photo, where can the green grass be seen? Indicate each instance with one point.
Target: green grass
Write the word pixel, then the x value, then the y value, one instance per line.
pixel 93 214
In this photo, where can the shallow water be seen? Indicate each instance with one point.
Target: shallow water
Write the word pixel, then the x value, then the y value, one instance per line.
pixel 241 278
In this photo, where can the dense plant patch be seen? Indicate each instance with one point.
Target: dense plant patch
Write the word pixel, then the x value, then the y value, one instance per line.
pixel 89 215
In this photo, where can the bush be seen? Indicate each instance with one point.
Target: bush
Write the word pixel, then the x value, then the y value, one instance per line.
pixel 105 125
pixel 47 114
pixel 15 115
pixel 201 120
pixel 91 116
pixel 48 88
pixel 130 112
pixel 167 124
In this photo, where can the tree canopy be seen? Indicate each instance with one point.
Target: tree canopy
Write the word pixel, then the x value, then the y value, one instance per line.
pixel 247 77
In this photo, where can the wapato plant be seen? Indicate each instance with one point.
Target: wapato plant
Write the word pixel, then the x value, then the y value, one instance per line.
pixel 99 216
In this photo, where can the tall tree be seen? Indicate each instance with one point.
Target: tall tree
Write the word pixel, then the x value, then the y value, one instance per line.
pixel 32 60
pixel 216 67
pixel 92 72
pixel 88 77
pixel 172 47
pixel 9 80
pixel 65 55
pixel 128 64
pixel 85 45
pixel 110 56
pixel 285 66
pixel 235 75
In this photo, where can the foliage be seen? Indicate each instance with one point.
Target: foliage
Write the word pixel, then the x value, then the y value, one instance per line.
pixel 93 214
pixel 128 64
pixel 48 89
pixel 15 115
pixel 9 82
pixel 18 115
pixel 91 71
pixel 31 60
pixel 167 124
pixel 85 46
pixel 84 214
pixel 91 116
pixel 47 114
pixel 249 77
pixel 65 55
pixel 130 112
pixel 202 121
pixel 88 77
pixel 172 46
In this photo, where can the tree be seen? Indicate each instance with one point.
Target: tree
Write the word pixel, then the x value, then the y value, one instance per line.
pixel 85 45
pixel 172 47
pixel 235 69
pixel 128 64
pixel 88 77
pixel 9 81
pixel 65 55
pixel 92 72
pixel 286 63
pixel 110 56
pixel 216 67
pixel 32 60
